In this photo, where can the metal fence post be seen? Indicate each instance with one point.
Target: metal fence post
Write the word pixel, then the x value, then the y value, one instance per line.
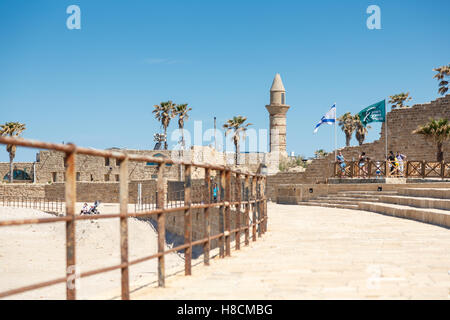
pixel 123 184
pixel 207 200
pixel 187 221
pixel 263 194
pixel 70 196
pixel 228 213
pixel 161 223
pixel 258 195
pixel 254 197
pixel 238 211
pixel 247 209
pixel 221 210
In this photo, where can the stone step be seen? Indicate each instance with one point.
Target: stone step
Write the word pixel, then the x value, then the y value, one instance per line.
pixel 431 216
pixel 440 193
pixel 329 205
pixel 333 201
pixel 418 202
pixel 365 193
pixel 359 196
pixel 345 198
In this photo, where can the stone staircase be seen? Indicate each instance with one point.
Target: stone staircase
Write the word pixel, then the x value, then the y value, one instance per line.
pixel 346 199
pixel 429 205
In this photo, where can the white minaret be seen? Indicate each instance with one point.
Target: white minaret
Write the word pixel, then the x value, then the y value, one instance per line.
pixel 277 110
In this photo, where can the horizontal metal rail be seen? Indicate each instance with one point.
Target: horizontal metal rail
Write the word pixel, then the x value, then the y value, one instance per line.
pixel 40 203
pixel 251 200
pixel 381 169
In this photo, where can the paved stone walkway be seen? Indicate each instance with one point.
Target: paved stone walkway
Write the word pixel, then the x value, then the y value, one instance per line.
pixel 325 253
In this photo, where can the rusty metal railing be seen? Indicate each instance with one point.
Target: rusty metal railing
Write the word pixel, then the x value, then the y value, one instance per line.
pixel 254 202
pixel 43 204
pixel 381 169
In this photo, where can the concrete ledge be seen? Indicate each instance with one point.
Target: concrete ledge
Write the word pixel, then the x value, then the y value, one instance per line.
pixel 440 193
pixel 431 216
pixel 418 202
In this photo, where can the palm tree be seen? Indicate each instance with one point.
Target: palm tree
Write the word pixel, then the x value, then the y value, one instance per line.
pixel 164 112
pixel 442 72
pixel 398 100
pixel 320 153
pixel 437 131
pixel 236 125
pixel 181 111
pixel 348 125
pixel 12 129
pixel 360 130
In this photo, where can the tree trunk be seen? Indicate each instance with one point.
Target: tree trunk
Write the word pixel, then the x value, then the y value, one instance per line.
pixel 165 138
pixel 11 170
pixel 236 154
pixel 182 138
pixel 348 137
pixel 440 152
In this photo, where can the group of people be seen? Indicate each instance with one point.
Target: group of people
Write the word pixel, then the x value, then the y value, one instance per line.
pixel 395 163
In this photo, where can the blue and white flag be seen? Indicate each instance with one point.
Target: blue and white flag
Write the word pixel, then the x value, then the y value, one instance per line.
pixel 329 117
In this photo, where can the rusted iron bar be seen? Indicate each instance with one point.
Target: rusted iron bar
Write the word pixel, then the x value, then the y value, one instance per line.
pixel 227 213
pixel 221 211
pixel 161 221
pixel 187 221
pixel 247 209
pixel 258 206
pixel 111 216
pixel 238 211
pixel 207 226
pixel 32 287
pixel 254 208
pixel 264 197
pixel 123 194
pixel 70 195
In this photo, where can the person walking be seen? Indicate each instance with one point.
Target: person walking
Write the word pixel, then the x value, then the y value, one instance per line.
pixel 400 158
pixel 391 161
pixel 341 161
pixel 215 189
pixel 362 164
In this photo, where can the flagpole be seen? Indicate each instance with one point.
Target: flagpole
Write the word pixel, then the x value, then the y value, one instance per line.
pixel 385 128
pixel 335 134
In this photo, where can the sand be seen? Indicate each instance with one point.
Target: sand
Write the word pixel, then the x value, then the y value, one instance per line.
pixel 31 254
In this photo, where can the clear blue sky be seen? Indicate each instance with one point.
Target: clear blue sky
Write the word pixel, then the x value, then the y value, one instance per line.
pixel 96 86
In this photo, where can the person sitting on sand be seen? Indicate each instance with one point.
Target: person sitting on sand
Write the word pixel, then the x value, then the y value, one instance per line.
pixel 85 208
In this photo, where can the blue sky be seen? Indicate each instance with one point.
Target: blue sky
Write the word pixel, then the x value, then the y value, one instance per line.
pixel 97 86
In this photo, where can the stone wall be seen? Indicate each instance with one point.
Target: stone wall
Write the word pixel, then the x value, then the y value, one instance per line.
pixel 25 166
pixel 50 168
pixel 23 190
pixel 107 192
pixel 295 193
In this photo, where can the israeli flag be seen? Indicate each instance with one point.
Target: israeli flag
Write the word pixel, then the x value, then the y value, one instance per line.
pixel 329 117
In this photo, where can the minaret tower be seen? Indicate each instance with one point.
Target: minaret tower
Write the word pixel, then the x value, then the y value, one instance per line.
pixel 277 110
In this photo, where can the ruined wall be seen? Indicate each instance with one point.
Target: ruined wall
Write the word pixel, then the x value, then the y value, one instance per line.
pixel 107 192
pixel 50 168
pixel 25 166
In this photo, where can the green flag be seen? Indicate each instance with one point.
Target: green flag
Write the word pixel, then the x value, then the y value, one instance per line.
pixel 373 113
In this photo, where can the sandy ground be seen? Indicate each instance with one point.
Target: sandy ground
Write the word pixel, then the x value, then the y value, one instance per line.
pixel 34 253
